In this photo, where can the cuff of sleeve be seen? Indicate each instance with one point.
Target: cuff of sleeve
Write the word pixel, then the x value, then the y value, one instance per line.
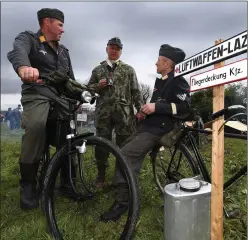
pixel 163 108
pixel 138 107
pixel 174 108
pixel 16 66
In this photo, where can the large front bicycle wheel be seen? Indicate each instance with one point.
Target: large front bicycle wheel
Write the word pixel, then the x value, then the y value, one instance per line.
pixel 169 166
pixel 79 218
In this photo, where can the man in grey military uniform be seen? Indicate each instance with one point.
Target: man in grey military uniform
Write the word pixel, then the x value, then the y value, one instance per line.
pixel 170 102
pixel 119 91
pixel 34 54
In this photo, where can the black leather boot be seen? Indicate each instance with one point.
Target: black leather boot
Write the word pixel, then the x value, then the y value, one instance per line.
pixel 120 205
pixel 28 194
pixel 115 212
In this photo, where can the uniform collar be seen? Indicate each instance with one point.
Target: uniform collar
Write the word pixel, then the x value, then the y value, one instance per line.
pixel 107 62
pixel 164 77
pixel 169 75
pixel 110 63
pixel 42 38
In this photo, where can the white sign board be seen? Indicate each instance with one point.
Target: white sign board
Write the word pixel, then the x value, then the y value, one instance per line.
pixel 229 48
pixel 82 117
pixel 233 72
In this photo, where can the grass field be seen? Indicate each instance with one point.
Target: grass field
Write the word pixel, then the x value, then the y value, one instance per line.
pixel 19 225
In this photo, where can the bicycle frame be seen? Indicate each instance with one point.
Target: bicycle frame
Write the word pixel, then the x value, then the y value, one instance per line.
pixel 199 158
pixel 71 134
pixel 200 161
pixel 238 175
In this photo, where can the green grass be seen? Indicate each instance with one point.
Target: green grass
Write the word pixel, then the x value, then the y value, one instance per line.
pixel 16 224
pixel 235 156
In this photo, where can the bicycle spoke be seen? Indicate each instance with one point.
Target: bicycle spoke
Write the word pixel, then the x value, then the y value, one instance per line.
pixel 173 166
pixel 84 212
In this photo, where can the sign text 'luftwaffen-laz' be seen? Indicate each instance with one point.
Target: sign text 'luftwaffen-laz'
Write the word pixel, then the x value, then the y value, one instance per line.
pixel 230 48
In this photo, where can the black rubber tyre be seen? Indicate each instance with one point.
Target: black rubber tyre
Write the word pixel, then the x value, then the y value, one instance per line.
pixel 41 173
pixel 52 172
pixel 173 176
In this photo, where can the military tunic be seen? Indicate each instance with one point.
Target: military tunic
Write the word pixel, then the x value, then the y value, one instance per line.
pixel 172 100
pixel 31 49
pixel 114 107
pixel 175 92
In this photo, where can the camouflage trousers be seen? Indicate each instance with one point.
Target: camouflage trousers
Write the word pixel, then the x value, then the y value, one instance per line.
pixel 119 118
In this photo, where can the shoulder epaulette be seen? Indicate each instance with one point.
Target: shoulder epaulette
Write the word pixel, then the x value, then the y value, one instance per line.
pixel 31 33
pixel 61 45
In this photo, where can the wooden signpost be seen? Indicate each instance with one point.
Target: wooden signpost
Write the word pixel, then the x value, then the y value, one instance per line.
pixel 229 48
pixel 216 79
pixel 217 162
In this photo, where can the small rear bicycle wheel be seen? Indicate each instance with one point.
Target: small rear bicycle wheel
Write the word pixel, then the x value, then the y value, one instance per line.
pixel 79 218
pixel 170 169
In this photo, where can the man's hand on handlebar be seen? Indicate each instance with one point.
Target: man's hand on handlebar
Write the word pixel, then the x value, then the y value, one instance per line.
pixel 29 74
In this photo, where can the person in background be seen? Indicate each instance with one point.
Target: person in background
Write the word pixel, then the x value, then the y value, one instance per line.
pixel 1 118
pixel 9 118
pixel 17 116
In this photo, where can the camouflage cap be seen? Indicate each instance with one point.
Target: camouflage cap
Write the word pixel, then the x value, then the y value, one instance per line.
pixel 177 55
pixel 115 41
pixel 50 13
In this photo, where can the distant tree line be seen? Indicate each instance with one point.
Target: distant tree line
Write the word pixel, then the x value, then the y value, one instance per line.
pixel 235 94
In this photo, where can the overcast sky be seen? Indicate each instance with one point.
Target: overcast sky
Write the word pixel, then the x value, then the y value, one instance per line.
pixel 142 27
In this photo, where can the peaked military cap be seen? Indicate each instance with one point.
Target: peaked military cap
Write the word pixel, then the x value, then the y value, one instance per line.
pixel 50 13
pixel 177 55
pixel 115 41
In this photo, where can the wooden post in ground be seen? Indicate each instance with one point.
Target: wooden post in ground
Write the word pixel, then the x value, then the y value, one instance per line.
pixel 228 49
pixel 217 162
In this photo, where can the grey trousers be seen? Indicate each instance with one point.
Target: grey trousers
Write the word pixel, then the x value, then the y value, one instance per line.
pixel 135 152
pixel 34 119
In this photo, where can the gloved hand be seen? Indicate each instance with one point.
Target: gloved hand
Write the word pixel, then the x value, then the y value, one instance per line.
pixel 140 116
pixel 102 83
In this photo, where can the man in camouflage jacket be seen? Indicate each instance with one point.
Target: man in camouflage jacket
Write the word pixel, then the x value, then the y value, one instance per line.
pixel 118 89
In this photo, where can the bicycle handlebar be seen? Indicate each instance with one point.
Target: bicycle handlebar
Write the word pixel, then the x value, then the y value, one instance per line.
pixel 86 95
pixel 225 110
